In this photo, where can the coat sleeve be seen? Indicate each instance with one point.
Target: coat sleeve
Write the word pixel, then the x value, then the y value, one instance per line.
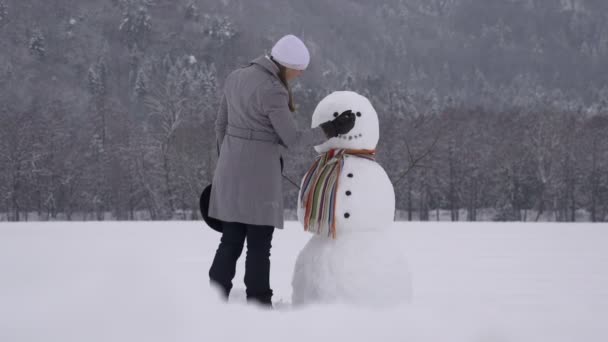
pixel 274 101
pixel 220 122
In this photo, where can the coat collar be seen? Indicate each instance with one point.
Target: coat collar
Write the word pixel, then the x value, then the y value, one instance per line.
pixel 265 63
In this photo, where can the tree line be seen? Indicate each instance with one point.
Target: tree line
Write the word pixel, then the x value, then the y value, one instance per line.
pixel 108 106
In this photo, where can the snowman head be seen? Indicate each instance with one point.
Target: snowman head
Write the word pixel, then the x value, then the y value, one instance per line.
pixel 366 132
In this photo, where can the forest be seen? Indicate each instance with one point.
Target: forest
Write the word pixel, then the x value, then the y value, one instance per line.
pixel 107 107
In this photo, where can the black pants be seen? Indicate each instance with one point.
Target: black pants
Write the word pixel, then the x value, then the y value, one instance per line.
pixel 257 264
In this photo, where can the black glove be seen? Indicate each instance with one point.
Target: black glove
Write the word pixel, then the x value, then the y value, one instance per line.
pixel 340 125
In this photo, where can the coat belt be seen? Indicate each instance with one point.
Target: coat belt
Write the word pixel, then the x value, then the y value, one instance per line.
pixel 249 134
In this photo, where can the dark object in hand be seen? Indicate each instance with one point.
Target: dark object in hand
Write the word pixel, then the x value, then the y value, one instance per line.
pixel 340 125
pixel 203 203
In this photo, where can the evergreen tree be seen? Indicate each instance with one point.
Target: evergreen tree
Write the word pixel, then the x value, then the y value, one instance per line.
pixel 141 84
pixel 219 28
pixel 3 12
pixel 136 26
pixel 37 44
pixel 192 11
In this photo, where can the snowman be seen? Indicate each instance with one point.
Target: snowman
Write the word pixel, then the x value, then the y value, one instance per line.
pixel 347 200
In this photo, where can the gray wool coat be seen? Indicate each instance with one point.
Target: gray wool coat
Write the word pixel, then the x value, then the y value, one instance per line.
pixel 253 121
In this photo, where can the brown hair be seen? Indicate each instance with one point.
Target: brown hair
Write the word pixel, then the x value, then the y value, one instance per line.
pixel 283 78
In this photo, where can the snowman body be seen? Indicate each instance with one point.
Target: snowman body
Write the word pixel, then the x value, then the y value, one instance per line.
pixel 365 200
pixel 363 265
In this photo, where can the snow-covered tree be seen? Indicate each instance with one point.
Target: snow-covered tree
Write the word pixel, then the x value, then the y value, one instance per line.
pixel 98 145
pixel 141 84
pixel 3 12
pixel 219 28
pixel 136 26
pixel 437 7
pixel 192 11
pixel 185 96
pixel 572 5
pixel 37 43
pixel 97 78
pixel 96 193
pixel 500 34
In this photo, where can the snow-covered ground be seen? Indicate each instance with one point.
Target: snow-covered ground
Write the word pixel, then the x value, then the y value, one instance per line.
pixel 147 281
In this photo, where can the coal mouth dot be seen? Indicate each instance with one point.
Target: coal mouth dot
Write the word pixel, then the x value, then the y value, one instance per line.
pixel 350 137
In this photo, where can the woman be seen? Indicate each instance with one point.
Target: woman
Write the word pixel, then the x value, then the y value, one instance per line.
pixel 253 120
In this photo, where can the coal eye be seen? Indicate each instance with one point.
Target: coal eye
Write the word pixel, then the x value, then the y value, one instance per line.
pixel 335 114
pixel 358 113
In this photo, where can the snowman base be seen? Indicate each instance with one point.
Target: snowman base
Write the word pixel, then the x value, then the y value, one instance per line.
pixel 357 268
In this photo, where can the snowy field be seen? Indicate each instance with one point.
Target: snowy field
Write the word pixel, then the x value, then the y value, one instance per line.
pixel 147 281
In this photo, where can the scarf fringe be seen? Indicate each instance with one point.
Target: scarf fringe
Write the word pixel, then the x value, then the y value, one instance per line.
pixel 320 188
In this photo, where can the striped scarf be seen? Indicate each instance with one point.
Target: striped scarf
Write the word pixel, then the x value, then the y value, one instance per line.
pixel 320 188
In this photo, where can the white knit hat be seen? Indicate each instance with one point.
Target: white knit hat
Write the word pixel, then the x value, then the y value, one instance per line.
pixel 291 52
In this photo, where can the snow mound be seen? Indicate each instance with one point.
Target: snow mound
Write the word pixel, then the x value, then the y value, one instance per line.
pixel 363 268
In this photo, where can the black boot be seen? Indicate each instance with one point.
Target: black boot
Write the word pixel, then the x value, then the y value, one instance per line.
pixel 223 290
pixel 263 301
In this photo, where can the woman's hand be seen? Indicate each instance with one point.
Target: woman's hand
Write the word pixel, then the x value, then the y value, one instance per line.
pixel 340 125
